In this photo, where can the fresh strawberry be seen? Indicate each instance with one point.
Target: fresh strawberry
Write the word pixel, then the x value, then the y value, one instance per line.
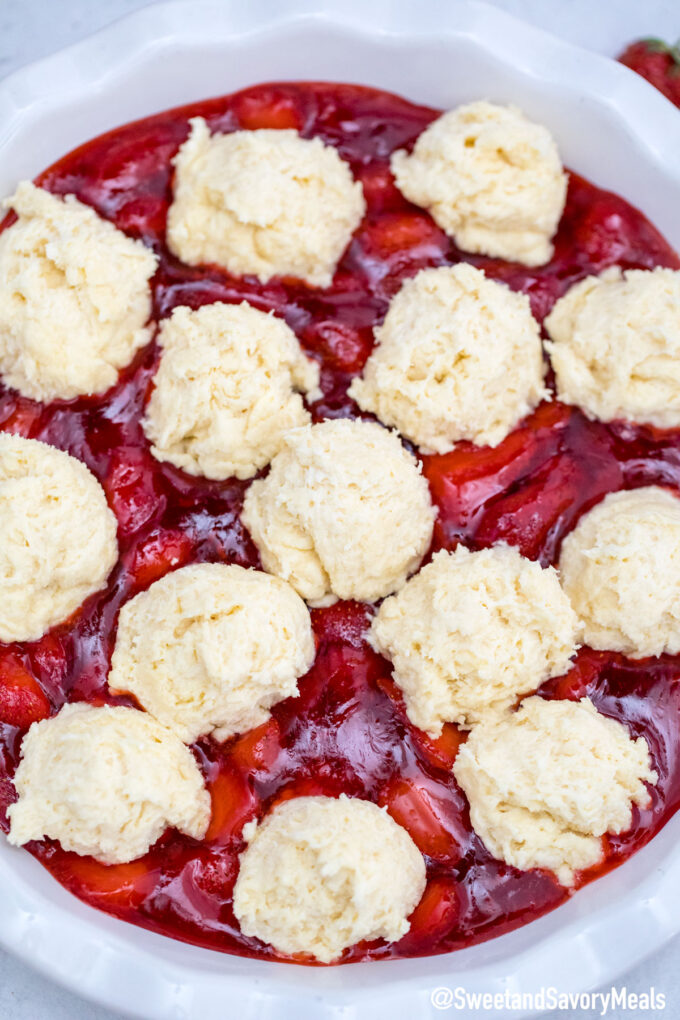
pixel 22 700
pixel 658 62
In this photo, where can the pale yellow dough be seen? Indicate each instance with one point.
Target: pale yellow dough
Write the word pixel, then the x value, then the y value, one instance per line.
pixel 491 178
pixel 620 567
pixel 57 537
pixel 343 513
pixel 472 632
pixel 74 297
pixel 267 203
pixel 105 782
pixel 210 648
pixel 547 782
pixel 458 356
pixel 320 875
pixel 615 346
pixel 225 391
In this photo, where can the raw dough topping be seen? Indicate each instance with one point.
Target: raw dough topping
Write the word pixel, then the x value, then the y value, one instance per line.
pixel 210 648
pixel 620 567
pixel 490 178
pixel 74 297
pixel 264 202
pixel 472 632
pixel 344 512
pixel 321 874
pixel 106 782
pixel 615 346
pixel 458 357
pixel 547 782
pixel 225 390
pixel 57 537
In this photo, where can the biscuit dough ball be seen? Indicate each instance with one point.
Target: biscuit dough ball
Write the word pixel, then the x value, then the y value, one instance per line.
pixel 225 390
pixel 615 346
pixel 210 648
pixel 74 297
pixel 105 782
pixel 320 875
pixel 57 537
pixel 491 178
pixel 620 567
pixel 264 202
pixel 458 356
pixel 344 512
pixel 547 782
pixel 472 632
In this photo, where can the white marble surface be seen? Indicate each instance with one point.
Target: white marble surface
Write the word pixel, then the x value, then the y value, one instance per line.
pixel 30 29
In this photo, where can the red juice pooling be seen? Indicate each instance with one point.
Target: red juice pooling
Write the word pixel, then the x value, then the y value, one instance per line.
pixel 347 731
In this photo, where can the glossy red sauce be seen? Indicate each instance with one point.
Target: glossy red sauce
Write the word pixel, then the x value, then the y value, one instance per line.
pixel 347 731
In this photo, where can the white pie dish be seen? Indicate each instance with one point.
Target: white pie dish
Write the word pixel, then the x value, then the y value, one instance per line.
pixel 613 128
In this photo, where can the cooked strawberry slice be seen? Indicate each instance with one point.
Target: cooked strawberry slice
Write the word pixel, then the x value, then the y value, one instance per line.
pixel 464 481
pixel 580 679
pixel 267 108
pixel 535 516
pixel 121 885
pixel 130 488
pixel 440 751
pixel 658 62
pixel 161 552
pixel 404 234
pixel 19 416
pixel 213 873
pixel 341 346
pixel 431 814
pixel 258 749
pixel 380 190
pixel 143 216
pixel 434 917
pixel 343 623
pixel 22 699
pixel 50 660
pixel 233 804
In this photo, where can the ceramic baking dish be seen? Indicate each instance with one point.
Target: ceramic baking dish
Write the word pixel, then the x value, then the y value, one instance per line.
pixel 613 128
